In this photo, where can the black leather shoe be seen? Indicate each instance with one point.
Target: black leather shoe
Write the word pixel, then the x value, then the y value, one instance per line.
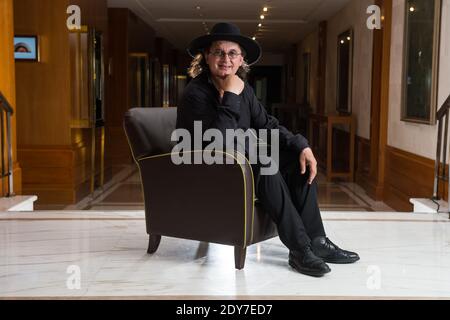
pixel 331 253
pixel 308 263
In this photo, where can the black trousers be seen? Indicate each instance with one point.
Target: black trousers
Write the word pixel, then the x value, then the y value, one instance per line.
pixel 291 202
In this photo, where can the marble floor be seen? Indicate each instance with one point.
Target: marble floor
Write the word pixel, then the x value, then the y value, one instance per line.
pixel 102 254
pixel 97 249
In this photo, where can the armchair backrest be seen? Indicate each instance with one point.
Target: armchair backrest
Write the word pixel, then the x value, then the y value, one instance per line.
pixel 149 130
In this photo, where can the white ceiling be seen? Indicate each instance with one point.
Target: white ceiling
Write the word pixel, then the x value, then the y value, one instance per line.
pixel 286 22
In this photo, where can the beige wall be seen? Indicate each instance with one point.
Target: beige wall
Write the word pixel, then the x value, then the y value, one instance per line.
pixel 310 44
pixel 352 16
pixel 419 139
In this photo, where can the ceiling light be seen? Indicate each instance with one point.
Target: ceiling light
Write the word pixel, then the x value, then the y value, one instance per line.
pixel 260 25
pixel 262 17
pixel 412 9
pixel 265 9
pixel 342 41
pixel 254 38
pixel 348 38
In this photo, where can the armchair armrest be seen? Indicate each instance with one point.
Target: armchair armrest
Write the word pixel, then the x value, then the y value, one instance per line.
pixel 213 203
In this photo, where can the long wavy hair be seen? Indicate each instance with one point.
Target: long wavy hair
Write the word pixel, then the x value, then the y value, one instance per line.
pixel 199 65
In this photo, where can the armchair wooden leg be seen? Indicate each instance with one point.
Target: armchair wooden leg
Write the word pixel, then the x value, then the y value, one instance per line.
pixel 239 257
pixel 153 243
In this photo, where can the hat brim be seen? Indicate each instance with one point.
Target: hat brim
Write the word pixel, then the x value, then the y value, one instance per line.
pixel 251 47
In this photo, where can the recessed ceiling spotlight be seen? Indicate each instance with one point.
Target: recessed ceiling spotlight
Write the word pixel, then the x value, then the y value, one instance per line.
pixel 262 17
pixel 260 25
pixel 412 9
pixel 265 9
pixel 254 38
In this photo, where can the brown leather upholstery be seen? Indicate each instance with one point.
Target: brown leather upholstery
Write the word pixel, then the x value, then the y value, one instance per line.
pixel 211 203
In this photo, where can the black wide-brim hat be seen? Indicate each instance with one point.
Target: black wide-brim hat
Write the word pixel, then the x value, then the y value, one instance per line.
pixel 227 32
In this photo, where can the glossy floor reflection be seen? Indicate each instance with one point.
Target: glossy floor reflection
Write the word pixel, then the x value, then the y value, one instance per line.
pixel 402 255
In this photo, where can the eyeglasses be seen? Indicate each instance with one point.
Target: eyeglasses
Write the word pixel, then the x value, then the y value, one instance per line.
pixel 221 54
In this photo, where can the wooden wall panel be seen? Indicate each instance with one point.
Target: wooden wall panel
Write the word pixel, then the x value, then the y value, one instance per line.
pixel 362 155
pixel 7 85
pixel 93 13
pixel 56 157
pixel 43 88
pixel 118 24
pixel 120 150
pixel 58 175
pixel 407 176
pixel 374 180
pixel 363 162
pixel 48 174
pixel 37 157
pixel 128 34
pixel 378 153
pixel 118 49
pixel 7 72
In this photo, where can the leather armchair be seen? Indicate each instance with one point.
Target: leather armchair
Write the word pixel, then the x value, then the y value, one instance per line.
pixel 209 203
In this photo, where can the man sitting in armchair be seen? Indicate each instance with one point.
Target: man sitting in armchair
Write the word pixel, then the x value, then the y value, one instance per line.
pixel 219 97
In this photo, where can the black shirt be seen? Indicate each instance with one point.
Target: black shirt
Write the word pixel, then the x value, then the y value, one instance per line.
pixel 201 102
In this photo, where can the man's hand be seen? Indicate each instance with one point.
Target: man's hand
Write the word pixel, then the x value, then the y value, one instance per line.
pixel 231 83
pixel 307 159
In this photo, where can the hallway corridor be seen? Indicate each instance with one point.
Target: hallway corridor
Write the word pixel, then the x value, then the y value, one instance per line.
pixel 124 193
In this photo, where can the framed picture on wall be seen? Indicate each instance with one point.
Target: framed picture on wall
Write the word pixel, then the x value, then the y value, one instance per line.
pixel 26 48
pixel 421 61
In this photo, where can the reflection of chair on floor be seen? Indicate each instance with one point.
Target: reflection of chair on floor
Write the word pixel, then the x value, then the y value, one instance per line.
pixel 210 203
